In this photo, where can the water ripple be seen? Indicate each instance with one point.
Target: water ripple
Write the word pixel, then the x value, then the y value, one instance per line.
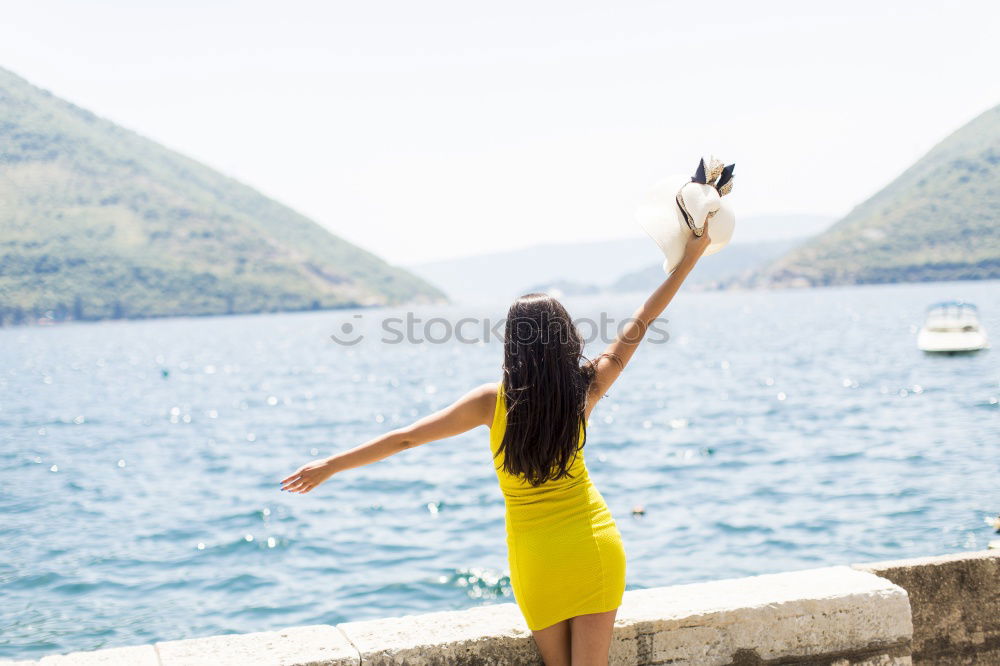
pixel 142 506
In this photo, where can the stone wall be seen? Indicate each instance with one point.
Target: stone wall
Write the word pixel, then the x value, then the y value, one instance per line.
pixel 831 616
pixel 955 601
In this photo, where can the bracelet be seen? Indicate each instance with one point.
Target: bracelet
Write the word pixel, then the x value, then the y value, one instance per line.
pixel 613 356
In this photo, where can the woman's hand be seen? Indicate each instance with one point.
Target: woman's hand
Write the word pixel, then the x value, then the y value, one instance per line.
pixel 308 476
pixel 696 245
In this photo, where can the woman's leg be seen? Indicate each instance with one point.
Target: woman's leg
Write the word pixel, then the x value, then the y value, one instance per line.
pixel 590 639
pixel 553 643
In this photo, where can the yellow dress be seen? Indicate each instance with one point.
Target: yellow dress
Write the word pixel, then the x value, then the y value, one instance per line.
pixel 563 546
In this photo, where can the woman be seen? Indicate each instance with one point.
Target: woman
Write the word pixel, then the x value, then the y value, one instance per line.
pixel 565 553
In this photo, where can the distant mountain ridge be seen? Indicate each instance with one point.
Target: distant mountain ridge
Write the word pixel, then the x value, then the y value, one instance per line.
pixel 614 264
pixel 936 221
pixel 97 221
pixel 504 275
pixel 711 271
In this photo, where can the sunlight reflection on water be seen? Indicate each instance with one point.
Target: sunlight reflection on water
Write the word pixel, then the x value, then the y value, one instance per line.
pixel 773 431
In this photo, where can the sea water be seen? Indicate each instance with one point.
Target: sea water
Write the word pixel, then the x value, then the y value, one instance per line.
pixel 761 432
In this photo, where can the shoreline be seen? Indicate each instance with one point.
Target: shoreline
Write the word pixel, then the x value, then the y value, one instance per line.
pixel 45 322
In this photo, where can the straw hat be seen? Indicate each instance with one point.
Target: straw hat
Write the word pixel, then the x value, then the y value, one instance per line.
pixel 677 207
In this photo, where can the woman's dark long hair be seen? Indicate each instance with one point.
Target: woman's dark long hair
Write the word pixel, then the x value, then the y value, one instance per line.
pixel 545 381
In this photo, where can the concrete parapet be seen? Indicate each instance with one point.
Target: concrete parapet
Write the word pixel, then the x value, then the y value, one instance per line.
pixel 139 655
pixel 814 616
pixel 955 600
pixel 494 634
pixel 858 615
pixel 313 645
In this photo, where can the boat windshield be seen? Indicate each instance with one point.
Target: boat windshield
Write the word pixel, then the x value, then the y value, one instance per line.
pixel 954 311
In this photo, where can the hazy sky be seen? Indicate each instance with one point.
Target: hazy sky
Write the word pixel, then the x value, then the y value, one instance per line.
pixel 430 129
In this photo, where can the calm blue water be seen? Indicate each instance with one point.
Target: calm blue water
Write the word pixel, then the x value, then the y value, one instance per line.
pixel 773 431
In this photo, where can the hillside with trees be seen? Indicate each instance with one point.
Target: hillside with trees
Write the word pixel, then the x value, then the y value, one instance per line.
pixel 98 222
pixel 936 221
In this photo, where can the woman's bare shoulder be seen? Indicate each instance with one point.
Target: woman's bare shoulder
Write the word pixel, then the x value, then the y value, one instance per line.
pixel 485 397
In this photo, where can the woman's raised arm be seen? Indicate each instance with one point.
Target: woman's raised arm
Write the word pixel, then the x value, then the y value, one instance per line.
pixel 612 361
pixel 475 408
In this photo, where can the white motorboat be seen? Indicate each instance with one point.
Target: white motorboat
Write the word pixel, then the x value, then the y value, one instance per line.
pixel 952 327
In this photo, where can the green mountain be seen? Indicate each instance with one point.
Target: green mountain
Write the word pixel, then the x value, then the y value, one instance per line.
pixel 937 221
pixel 97 221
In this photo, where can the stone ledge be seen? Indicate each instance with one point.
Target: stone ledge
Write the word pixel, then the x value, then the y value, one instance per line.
pixel 955 600
pixel 314 645
pixel 990 556
pixel 139 655
pixel 830 616
pixel 813 615
pixel 494 634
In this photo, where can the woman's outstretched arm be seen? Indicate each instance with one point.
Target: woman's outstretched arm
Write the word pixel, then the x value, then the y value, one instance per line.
pixel 475 408
pixel 610 364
